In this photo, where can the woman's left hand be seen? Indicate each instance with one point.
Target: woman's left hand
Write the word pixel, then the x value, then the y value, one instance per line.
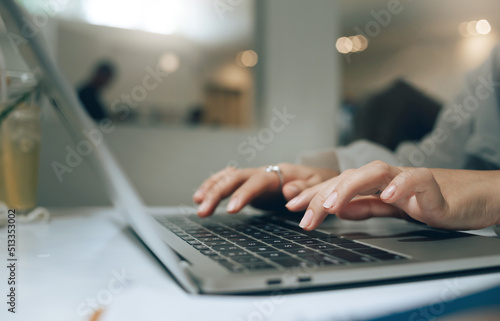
pixel 450 199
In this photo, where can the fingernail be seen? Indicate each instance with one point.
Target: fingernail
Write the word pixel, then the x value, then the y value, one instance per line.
pixel 203 207
pixel 233 203
pixel 330 201
pixel 306 220
pixel 388 192
pixel 292 202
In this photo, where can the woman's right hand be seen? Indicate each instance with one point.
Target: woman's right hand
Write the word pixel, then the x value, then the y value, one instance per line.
pixel 257 187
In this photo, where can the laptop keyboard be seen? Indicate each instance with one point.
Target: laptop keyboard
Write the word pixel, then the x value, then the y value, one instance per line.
pixel 246 244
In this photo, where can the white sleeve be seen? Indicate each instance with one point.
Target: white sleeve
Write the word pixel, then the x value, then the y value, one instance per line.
pixel 443 147
pixel 355 155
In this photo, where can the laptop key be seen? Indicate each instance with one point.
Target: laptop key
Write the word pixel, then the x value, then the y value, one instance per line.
pixel 266 236
pixel 272 255
pixel 220 248
pixel 320 259
pixel 239 239
pixel 286 246
pixel 258 266
pixel 290 262
pixel 348 256
pixel 200 235
pixel 235 267
pixel 275 241
pixel 231 234
pixel 218 243
pixel 208 239
pixel 235 253
pixel 309 241
pixel 354 246
pixel 296 237
pixel 263 249
pixel 372 251
pixel 389 256
pixel 247 259
pixel 286 233
pixel 209 252
pixel 217 257
pixel 303 250
pixel 322 246
pixel 250 244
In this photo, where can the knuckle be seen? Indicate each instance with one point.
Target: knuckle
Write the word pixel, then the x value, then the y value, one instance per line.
pixel 424 173
pixel 380 165
pixel 285 165
pixel 407 177
pixel 321 196
pixel 345 183
pixel 348 172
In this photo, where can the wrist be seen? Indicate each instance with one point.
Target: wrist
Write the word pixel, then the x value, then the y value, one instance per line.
pixel 493 192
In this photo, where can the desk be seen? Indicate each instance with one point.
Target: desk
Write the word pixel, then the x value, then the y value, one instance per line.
pixel 88 254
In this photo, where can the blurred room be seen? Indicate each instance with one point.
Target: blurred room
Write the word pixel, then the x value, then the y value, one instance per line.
pixel 199 84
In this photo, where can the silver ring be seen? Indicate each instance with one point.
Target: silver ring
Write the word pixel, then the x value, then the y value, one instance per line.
pixel 276 169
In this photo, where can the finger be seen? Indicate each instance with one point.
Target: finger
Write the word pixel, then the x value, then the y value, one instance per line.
pixel 255 186
pixel 368 207
pixel 199 195
pixel 316 213
pixel 417 192
pixel 301 202
pixel 294 188
pixel 366 180
pixel 221 189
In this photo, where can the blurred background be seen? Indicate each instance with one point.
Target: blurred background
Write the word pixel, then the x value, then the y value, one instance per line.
pixel 194 85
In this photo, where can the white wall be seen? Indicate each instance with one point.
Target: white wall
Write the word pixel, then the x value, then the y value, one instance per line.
pixel 81 46
pixel 301 69
pixel 165 164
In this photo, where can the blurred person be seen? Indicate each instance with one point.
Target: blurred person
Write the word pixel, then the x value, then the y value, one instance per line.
pixel 394 115
pixel 90 92
pixel 465 136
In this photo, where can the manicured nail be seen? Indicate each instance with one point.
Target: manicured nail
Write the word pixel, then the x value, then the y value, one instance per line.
pixel 306 220
pixel 292 202
pixel 388 192
pixel 330 201
pixel 233 204
pixel 203 207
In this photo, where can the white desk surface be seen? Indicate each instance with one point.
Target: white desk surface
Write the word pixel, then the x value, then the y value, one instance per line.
pixel 64 264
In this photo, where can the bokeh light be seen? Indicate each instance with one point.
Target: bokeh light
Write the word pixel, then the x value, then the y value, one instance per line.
pixel 247 58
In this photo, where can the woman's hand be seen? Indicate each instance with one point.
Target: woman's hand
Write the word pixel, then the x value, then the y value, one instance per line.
pixel 256 186
pixel 450 199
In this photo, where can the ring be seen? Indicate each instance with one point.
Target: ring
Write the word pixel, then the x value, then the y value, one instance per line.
pixel 276 169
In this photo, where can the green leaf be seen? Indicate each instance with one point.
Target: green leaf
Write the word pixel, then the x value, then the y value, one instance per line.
pixel 4 113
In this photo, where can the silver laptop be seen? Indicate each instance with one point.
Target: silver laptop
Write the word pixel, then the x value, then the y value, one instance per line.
pixel 255 252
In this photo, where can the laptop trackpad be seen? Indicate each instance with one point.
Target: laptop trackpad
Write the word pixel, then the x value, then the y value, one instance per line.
pixel 387 228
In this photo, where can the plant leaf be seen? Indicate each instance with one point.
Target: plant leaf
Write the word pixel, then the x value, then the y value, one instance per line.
pixel 4 113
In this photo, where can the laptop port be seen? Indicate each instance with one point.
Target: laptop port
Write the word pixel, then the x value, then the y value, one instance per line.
pixel 273 281
pixel 304 279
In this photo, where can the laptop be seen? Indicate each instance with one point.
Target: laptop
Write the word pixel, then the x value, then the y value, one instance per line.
pixel 255 252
